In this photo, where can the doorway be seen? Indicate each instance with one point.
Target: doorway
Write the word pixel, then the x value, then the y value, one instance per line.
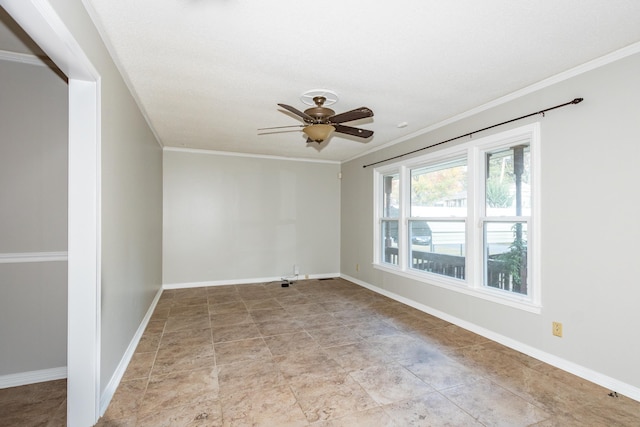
pixel 40 21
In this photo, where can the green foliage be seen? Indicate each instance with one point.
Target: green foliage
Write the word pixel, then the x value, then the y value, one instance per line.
pixel 515 260
pixel 498 194
pixel 429 188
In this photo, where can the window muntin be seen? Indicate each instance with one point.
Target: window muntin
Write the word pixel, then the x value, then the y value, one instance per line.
pixel 491 217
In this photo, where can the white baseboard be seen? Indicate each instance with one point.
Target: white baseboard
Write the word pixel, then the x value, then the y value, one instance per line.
pixel 32 377
pixel 247 281
pixel 114 382
pixel 560 363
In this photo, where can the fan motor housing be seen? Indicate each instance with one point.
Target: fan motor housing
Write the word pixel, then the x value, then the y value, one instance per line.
pixel 320 113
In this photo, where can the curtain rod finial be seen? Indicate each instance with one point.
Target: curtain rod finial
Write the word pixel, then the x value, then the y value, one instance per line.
pixel 577 100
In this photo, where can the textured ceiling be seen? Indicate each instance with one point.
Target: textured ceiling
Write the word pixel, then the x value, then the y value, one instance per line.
pixel 209 73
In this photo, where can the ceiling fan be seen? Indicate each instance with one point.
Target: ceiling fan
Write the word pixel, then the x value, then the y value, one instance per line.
pixel 320 122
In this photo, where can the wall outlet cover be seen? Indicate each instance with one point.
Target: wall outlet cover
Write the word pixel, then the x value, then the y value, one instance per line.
pixel 556 329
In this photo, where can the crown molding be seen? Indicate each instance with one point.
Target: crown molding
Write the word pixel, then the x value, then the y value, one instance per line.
pixel 614 56
pixel 249 155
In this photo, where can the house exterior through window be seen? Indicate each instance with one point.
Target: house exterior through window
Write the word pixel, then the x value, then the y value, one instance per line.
pixel 465 218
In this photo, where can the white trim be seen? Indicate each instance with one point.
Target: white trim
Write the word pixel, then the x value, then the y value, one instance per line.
pixel 25 58
pixel 246 281
pixel 32 377
pixel 494 295
pixel 41 22
pixel 560 363
pixel 473 153
pixel 21 257
pixel 113 383
pixel 249 155
pixel 84 250
pixel 550 81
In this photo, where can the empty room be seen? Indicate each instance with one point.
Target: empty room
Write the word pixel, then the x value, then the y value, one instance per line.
pixel 234 213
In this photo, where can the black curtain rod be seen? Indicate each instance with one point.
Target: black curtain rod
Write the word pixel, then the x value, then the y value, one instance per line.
pixel 575 101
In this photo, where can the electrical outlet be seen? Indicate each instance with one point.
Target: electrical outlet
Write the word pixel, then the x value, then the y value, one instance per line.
pixel 296 269
pixel 556 329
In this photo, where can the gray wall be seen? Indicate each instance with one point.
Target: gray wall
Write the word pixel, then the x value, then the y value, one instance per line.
pixel 590 230
pixel 131 202
pixel 33 218
pixel 230 218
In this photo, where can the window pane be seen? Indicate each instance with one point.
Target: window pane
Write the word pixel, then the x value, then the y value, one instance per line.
pixel 389 239
pixel 438 247
pixel 506 256
pixel 391 196
pixel 508 188
pixel 439 190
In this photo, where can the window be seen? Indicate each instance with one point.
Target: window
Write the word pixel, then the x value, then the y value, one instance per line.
pixel 507 213
pixel 389 221
pixel 464 218
pixel 437 223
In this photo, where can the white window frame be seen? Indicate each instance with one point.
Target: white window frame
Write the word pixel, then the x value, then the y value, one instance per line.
pixel 379 215
pixel 446 162
pixel 473 284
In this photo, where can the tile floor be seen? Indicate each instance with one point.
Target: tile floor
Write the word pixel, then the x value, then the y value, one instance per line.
pixel 35 405
pixel 330 353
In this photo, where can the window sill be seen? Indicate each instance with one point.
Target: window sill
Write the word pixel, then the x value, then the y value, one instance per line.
pixel 497 296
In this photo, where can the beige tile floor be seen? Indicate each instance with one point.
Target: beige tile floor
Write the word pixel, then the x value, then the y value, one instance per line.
pixel 330 353
pixel 35 405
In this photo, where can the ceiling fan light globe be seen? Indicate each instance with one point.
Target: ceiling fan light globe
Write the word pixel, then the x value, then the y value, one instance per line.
pixel 319 132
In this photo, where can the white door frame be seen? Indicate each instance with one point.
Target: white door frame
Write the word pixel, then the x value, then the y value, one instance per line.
pixel 44 26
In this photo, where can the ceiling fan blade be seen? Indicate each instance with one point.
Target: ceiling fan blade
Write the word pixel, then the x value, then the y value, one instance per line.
pixel 361 133
pixel 347 116
pixel 282 127
pixel 304 116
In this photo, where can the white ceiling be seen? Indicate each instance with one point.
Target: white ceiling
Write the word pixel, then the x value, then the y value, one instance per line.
pixel 209 73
